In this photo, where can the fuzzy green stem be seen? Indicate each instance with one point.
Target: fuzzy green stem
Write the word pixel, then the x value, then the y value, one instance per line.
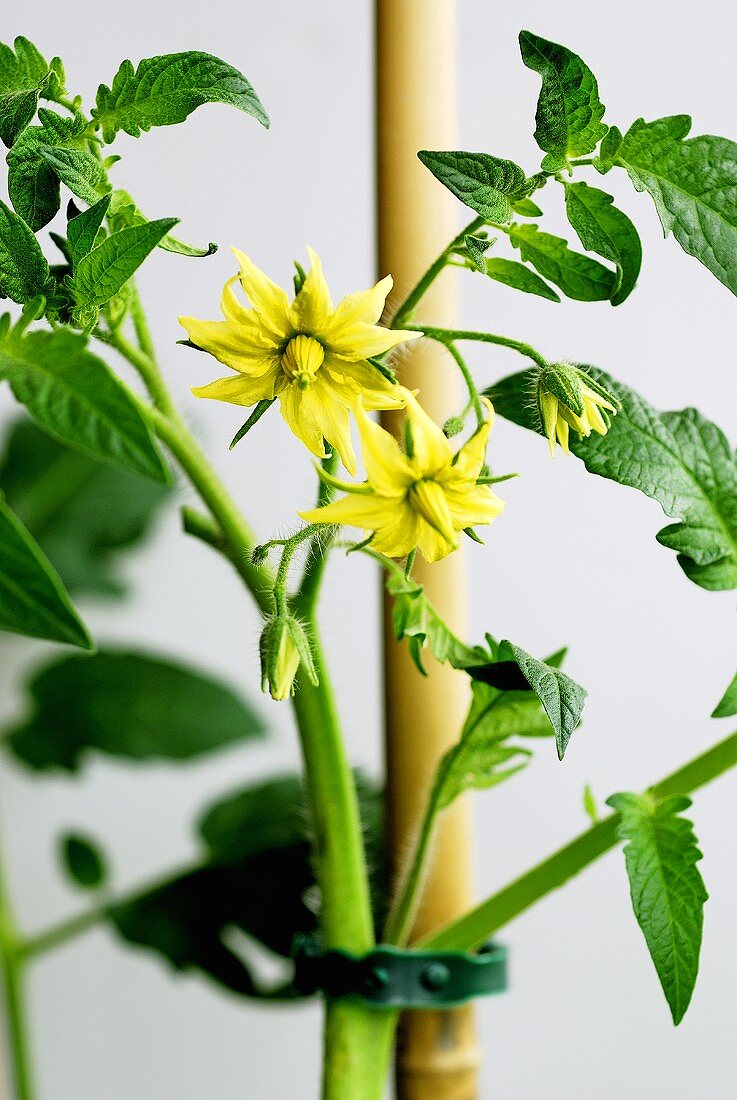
pixel 420 289
pixel 12 973
pixel 447 336
pixel 473 393
pixel 358 1048
pixel 402 917
pixel 476 926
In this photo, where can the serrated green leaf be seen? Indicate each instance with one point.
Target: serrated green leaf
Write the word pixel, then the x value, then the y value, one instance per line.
pixel 75 397
pixel 78 170
pixel 693 185
pixel 33 600
pixel 569 111
pixel 24 77
pixel 562 699
pixel 24 272
pixel 125 212
pixel 82 229
pixel 516 275
pixel 484 183
pixel 527 208
pixel 104 271
pixel 129 705
pixel 164 90
pixel 33 186
pixel 679 459
pixel 578 276
pixel 83 861
pixel 727 705
pixel 81 512
pixel 666 887
pixel 604 229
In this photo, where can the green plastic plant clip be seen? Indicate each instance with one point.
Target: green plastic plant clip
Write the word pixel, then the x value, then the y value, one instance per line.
pixel 401 978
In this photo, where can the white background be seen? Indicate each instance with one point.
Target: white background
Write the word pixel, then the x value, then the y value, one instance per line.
pixel 574 560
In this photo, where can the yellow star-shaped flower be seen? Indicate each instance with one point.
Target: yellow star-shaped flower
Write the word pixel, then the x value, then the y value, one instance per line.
pixel 310 354
pixel 420 498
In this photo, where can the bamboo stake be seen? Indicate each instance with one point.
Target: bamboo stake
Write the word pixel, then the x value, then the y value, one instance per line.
pixel 416 108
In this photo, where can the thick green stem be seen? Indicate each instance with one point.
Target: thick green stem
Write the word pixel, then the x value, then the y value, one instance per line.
pixel 476 926
pixel 12 973
pixel 358 1047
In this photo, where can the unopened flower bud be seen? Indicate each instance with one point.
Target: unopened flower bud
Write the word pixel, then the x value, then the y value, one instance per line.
pixel 568 397
pixel 284 646
pixel 452 426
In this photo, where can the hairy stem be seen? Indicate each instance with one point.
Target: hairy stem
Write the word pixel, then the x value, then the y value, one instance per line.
pixel 447 337
pixel 405 311
pixel 476 926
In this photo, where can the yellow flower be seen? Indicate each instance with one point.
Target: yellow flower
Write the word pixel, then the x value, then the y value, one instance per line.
pixel 310 354
pixel 568 397
pixel 423 498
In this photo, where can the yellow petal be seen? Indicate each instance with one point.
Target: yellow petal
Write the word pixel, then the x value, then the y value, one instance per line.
pixel 475 504
pixel 549 415
pixel 360 341
pixel 472 455
pixel 595 419
pixel 312 307
pixel 238 389
pixel 333 420
pixel 365 306
pixel 367 511
pixel 388 470
pixel 298 412
pixel 230 344
pixel 432 545
pixel 236 312
pixel 561 431
pixel 432 451
pixel 428 499
pixel 268 299
pixel 363 381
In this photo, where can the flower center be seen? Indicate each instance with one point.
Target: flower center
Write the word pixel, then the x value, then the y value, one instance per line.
pixel 302 359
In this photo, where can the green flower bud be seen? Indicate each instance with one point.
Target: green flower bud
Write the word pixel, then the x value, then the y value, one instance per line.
pixel 568 397
pixel 452 426
pixel 284 646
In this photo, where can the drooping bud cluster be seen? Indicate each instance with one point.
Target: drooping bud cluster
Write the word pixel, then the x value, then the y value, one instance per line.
pixel 284 646
pixel 568 397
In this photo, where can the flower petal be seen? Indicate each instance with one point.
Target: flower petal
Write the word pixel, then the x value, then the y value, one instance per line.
pixel 388 470
pixel 432 545
pixel 238 389
pixel 230 344
pixel 394 526
pixel 431 448
pixel 360 341
pixel 472 455
pixel 364 306
pixel 299 412
pixel 472 505
pixel 363 381
pixel 312 307
pixel 268 299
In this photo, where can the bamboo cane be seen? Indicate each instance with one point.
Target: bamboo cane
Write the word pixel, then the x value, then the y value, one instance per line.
pixel 416 107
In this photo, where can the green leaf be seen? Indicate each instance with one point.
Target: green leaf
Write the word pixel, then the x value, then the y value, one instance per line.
pixel 527 208
pixel 693 185
pixel 257 877
pixel 32 598
pixel 513 669
pixel 24 77
pixel 666 887
pixel 82 512
pixel 73 395
pixel 83 861
pixel 414 618
pixel 164 90
pixel 604 229
pixel 78 170
pixel 124 212
pixel 578 276
pixel 128 705
pixel 484 183
pixel 33 185
pixel 477 247
pixel 82 229
pixel 24 272
pixel 679 459
pixel 608 150
pixel 569 111
pixel 103 271
pixel 516 275
pixel 727 705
